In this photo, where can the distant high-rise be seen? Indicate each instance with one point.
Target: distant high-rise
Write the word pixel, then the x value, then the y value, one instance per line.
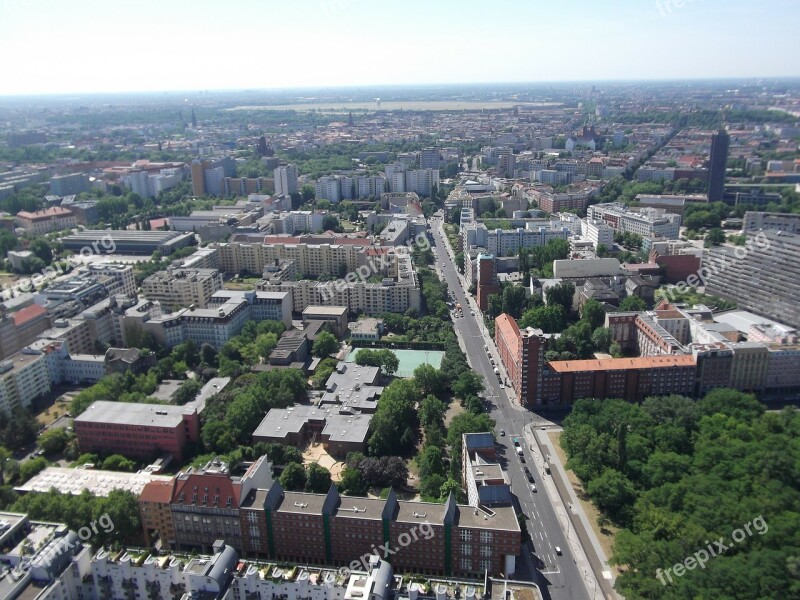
pixel 716 166
pixel 194 118
pixel 286 180
pixel 429 158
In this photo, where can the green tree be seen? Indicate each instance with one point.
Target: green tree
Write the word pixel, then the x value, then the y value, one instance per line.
pixel 561 294
pixel 632 304
pixel 30 468
pixel 352 483
pixel 117 462
pixel 714 237
pixel 592 311
pixel 325 344
pixel 429 380
pixel 293 478
pixel 318 479
pixel 53 441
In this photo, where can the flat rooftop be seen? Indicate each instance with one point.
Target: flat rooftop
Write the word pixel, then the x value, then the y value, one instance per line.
pixel 333 311
pixel 100 483
pixel 623 364
pixel 302 503
pixel 134 413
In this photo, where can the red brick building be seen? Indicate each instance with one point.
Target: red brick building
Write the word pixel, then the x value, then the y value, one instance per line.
pixel 433 539
pixel 522 353
pixel 137 430
pixel 632 379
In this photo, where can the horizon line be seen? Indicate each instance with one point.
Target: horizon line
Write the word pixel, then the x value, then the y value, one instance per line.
pixel 564 82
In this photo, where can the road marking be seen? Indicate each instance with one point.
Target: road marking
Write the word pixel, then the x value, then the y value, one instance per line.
pixel 551 572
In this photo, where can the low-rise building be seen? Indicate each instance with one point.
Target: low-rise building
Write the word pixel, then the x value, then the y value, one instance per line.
pixel 137 430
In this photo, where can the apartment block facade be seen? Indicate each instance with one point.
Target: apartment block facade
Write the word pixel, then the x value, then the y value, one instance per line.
pixel 763 276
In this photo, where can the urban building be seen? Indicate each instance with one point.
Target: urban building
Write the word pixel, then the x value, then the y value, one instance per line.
pixel 717 166
pixel 645 222
pixel 118 241
pixel 764 278
pixel 339 431
pixel 24 377
pixel 208 176
pixel 69 185
pixel 137 430
pixel 46 220
pixel 483 476
pixel 336 316
pixel 182 288
pixel 226 314
pixel 522 355
pixel 286 180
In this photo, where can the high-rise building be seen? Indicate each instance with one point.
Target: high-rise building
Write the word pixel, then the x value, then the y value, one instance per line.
pixel 68 185
pixel 763 277
pixel 717 165
pixel 208 177
pixel 429 158
pixel 522 354
pixel 286 180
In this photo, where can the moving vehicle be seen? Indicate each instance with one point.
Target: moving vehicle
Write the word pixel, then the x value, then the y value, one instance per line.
pixel 502 433
pixel 516 442
pixel 519 450
pixel 533 488
pixel 558 550
pixel 529 475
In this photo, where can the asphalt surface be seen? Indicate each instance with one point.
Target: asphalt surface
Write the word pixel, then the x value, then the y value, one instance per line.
pixel 558 576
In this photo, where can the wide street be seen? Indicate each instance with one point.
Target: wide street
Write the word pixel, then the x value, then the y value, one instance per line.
pixel 558 575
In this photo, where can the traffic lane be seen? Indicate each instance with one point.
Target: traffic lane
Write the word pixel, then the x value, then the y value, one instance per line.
pixel 557 569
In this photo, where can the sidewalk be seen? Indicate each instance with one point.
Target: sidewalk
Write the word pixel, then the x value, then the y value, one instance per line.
pixel 598 576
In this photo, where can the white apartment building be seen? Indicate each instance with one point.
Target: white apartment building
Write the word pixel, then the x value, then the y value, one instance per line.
pixel 329 188
pixel 646 222
pixel 370 186
pixel 421 181
pixel 224 318
pixel 182 288
pixel 309 259
pixel 597 232
pixel 286 180
pixel 508 242
pixel 150 185
pixel 23 377
pixel 116 278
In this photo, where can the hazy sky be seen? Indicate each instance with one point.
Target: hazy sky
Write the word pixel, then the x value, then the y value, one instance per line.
pixel 57 46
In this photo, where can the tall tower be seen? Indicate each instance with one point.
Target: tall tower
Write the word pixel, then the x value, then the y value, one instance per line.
pixel 716 165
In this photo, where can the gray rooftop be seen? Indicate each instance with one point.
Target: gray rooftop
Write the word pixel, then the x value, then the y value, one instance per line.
pixel 134 413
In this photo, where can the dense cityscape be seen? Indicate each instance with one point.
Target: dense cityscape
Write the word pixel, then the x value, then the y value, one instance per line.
pixel 435 341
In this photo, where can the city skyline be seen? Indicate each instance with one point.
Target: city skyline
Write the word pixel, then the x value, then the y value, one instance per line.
pixel 81 46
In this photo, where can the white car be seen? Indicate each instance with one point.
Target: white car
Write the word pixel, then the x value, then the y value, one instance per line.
pixel 558 550
pixel 533 487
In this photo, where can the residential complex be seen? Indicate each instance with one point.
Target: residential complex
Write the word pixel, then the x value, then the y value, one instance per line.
pixel 182 288
pixel 763 276
pixel 645 222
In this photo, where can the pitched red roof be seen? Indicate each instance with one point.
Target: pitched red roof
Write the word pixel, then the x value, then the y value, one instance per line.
pixel 218 485
pixel 159 492
pixel 28 314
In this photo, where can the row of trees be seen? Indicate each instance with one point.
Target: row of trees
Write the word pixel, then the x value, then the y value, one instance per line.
pixel 674 473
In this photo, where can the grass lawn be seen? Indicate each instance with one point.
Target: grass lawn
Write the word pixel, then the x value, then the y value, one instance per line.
pixel 49 415
pixel 245 284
